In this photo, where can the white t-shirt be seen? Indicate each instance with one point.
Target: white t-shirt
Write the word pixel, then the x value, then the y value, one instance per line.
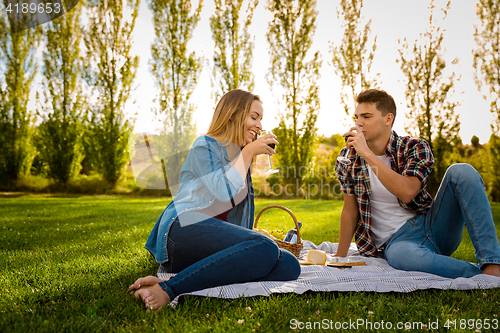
pixel 387 216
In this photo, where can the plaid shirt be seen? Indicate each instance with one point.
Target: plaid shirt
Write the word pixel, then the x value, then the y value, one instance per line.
pixel 409 157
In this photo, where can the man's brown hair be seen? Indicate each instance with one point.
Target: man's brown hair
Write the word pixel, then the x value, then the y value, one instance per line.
pixel 382 100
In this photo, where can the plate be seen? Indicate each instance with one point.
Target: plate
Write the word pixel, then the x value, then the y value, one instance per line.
pixel 345 264
pixel 335 264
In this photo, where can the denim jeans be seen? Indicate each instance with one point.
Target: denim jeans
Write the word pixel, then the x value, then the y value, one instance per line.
pixel 425 242
pixel 213 253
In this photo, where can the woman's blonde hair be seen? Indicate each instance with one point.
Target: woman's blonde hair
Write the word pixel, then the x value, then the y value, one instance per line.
pixel 230 116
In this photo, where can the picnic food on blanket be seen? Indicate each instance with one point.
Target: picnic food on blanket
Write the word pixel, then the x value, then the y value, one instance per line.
pixel 264 232
pixel 277 234
pixel 316 257
pixel 291 236
pixel 273 234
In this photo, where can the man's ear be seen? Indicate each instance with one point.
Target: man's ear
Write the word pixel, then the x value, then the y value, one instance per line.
pixel 389 121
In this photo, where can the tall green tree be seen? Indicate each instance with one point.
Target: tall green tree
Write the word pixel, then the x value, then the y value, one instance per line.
pixel 61 130
pixel 18 67
pixel 233 46
pixel 353 59
pixel 290 36
pixel 428 95
pixel 487 55
pixel 487 75
pixel 175 70
pixel 493 172
pixel 111 71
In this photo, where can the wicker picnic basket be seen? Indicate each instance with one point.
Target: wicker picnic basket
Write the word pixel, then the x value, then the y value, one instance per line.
pixel 294 248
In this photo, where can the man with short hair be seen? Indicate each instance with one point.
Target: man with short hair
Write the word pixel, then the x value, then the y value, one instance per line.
pixel 387 207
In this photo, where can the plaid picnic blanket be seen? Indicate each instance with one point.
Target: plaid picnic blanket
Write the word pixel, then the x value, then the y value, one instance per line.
pixel 376 276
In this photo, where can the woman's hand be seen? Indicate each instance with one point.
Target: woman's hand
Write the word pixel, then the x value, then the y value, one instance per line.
pixel 261 145
pixel 257 147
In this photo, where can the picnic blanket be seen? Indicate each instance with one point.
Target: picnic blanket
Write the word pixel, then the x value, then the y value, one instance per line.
pixel 376 276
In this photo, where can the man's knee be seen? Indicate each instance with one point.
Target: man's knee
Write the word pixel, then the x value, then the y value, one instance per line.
pixel 462 171
pixel 404 255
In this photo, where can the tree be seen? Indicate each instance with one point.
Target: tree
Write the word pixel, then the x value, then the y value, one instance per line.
pixel 175 70
pixel 431 112
pixel 61 129
pixel 111 71
pixel 493 173
pixel 474 142
pixel 18 65
pixel 487 75
pixel 352 60
pixel 290 36
pixel 233 48
pixel 487 55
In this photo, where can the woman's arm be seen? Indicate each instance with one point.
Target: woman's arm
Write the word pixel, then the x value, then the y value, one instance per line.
pixel 224 179
pixel 258 147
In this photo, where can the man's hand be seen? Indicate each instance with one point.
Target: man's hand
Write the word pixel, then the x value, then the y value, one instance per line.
pixel 356 140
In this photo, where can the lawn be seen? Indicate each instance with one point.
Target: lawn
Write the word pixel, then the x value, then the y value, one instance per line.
pixel 66 264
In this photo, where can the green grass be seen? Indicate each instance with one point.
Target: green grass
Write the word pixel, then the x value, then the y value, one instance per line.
pixel 66 264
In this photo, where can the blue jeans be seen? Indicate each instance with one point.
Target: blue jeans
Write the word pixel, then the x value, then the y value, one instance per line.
pixel 213 253
pixel 425 242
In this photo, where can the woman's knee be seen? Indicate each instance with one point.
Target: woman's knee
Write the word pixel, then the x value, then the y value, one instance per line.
pixel 267 248
pixel 292 264
pixel 282 260
pixel 286 268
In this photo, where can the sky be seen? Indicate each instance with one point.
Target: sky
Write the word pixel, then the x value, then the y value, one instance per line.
pixel 392 20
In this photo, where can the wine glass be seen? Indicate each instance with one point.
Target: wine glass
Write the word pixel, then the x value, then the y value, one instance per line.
pixel 272 145
pixel 343 159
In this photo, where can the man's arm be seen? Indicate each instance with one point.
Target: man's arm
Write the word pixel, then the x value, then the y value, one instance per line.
pixel 403 187
pixel 348 224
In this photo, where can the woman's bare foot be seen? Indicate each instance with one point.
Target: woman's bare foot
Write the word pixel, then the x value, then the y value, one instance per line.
pixel 145 282
pixel 492 269
pixel 154 297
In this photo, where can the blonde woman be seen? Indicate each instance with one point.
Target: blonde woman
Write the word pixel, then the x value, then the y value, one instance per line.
pixel 205 234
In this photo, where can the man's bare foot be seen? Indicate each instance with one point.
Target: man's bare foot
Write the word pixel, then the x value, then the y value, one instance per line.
pixel 154 297
pixel 492 269
pixel 145 282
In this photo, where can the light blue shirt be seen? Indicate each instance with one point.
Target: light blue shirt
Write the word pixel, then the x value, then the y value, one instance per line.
pixel 206 176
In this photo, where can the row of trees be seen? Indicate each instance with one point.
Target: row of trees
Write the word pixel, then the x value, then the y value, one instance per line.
pixel 88 74
pixel 428 92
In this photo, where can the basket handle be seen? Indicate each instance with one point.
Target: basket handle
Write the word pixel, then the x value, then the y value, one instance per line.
pixel 299 240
